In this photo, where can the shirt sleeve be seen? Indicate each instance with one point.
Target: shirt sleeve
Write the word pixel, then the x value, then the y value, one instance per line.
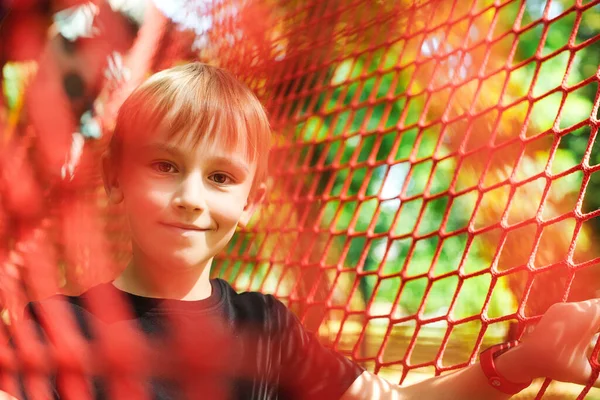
pixel 309 369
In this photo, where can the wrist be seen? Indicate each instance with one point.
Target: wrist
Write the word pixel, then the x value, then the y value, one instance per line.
pixel 513 366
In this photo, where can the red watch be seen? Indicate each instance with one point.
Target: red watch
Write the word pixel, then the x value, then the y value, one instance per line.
pixel 486 359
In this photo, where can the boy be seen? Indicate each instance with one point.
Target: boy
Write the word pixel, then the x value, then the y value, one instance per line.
pixel 188 163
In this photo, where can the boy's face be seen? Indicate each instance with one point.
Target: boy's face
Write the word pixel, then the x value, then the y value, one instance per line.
pixel 183 202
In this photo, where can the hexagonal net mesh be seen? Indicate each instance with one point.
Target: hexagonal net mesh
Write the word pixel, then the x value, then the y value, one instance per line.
pixel 427 195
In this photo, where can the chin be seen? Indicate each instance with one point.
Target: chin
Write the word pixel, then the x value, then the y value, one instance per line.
pixel 184 259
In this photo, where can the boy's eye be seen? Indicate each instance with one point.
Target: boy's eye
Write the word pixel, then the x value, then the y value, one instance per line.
pixel 164 167
pixel 221 178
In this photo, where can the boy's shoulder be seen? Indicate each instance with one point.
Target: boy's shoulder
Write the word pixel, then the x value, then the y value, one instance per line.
pixel 244 307
pixel 248 298
pixel 57 310
pixel 257 307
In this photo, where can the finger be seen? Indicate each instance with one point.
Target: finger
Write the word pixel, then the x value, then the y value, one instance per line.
pixel 592 353
pixel 589 375
pixel 592 308
pixel 595 304
pixel 525 329
pixel 594 341
pixel 597 383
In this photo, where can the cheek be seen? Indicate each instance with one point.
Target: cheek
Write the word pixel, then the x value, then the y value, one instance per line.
pixel 142 196
pixel 227 209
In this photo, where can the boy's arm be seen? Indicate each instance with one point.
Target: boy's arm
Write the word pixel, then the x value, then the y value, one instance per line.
pixel 467 383
pixel 558 348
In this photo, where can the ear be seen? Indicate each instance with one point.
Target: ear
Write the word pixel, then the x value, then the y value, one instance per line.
pixel 254 201
pixel 110 179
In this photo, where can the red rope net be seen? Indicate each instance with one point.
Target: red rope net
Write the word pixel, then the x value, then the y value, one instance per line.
pixel 422 204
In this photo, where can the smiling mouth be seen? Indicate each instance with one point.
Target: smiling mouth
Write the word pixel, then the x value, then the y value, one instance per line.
pixel 184 228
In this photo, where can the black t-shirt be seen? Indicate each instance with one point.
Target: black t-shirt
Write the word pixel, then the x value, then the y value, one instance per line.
pixel 228 346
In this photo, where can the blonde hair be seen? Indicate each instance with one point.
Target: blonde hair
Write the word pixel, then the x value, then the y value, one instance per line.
pixel 201 99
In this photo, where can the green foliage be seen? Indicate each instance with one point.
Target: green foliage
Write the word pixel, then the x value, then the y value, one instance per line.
pixel 12 79
pixel 402 250
pixel 578 100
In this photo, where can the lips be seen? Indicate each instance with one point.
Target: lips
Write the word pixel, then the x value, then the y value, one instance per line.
pixel 185 227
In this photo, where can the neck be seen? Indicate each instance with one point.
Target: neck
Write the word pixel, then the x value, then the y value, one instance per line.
pixel 148 278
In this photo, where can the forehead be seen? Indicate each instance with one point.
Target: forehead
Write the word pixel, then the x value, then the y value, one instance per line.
pixel 191 145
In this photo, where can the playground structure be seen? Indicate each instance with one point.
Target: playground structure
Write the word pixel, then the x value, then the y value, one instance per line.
pixel 432 170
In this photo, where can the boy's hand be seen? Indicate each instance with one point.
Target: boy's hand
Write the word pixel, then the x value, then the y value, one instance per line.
pixel 560 346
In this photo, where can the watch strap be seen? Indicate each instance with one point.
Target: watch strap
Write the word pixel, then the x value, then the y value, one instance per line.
pixel 495 379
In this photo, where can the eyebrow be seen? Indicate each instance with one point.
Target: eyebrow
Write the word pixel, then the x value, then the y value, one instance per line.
pixel 163 147
pixel 174 150
pixel 232 162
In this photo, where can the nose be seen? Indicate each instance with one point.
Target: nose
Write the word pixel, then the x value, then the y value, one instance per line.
pixel 190 197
